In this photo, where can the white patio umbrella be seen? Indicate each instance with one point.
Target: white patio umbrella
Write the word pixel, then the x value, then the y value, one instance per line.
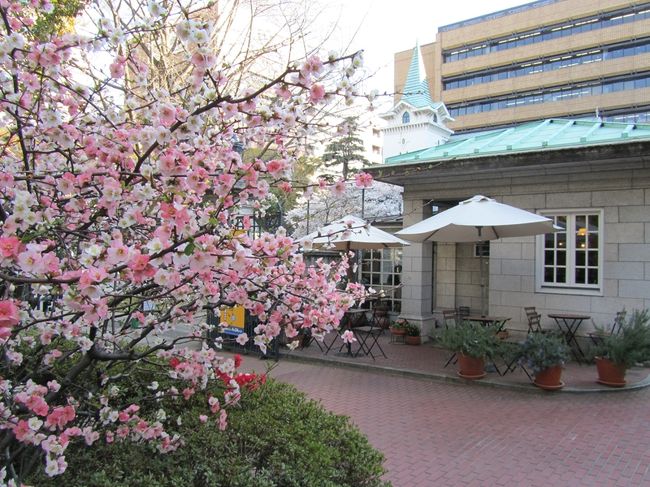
pixel 351 233
pixel 478 219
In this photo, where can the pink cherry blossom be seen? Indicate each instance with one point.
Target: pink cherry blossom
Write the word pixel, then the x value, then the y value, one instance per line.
pixel 117 67
pixel 223 420
pixel 338 189
pixel 135 216
pixel 363 180
pixel 242 339
pixel 203 60
pixel 275 167
pixel 9 316
pixel 9 247
pixel 348 336
pixel 316 93
pixel 167 114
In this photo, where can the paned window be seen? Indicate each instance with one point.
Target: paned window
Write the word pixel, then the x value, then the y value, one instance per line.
pixel 382 270
pixel 406 117
pixel 572 257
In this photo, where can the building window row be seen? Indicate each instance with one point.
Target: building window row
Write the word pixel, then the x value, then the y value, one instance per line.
pixel 628 115
pixel 550 63
pixel 640 117
pixel 551 94
pixel 600 21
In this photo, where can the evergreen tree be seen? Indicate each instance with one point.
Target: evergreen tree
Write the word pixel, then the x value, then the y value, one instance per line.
pixel 345 150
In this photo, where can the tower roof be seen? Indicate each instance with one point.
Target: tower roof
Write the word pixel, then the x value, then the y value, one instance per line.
pixel 416 88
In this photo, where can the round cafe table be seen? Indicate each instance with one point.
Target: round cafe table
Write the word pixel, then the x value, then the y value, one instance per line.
pixel 569 324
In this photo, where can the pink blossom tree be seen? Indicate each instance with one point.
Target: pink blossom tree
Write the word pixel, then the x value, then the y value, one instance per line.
pixel 121 196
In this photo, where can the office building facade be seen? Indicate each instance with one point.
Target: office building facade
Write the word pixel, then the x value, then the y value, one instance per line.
pixel 548 58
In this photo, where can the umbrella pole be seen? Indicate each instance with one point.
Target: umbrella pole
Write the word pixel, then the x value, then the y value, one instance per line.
pixel 351 262
pixel 482 282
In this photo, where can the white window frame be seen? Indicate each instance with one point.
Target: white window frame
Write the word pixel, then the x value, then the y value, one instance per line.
pixel 571 287
pixel 396 257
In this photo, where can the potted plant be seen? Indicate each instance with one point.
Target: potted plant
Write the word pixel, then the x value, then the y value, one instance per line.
pixel 617 353
pixel 545 354
pixel 412 335
pixel 398 327
pixel 472 342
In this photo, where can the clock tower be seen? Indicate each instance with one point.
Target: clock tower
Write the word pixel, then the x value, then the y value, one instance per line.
pixel 415 122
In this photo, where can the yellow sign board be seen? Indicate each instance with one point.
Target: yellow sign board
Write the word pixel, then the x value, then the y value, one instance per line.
pixel 234 317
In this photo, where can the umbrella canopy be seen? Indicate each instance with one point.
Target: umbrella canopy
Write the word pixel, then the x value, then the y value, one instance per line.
pixel 352 233
pixel 478 219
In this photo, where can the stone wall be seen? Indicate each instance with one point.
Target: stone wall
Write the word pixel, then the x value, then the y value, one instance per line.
pixel 624 197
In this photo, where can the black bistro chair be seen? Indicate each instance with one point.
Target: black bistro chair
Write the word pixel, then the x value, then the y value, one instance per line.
pixel 534 320
pixel 598 336
pixel 368 335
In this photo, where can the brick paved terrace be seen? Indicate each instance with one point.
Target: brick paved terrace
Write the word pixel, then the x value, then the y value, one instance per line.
pixel 429 360
pixel 443 433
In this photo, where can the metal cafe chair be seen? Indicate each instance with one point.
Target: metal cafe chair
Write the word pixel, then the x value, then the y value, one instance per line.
pixel 450 318
pixel 462 313
pixel 598 336
pixel 534 319
pixel 368 335
pixel 530 311
pixel 534 323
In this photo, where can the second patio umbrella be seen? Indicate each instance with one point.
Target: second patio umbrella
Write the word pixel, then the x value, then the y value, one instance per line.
pixel 478 219
pixel 352 233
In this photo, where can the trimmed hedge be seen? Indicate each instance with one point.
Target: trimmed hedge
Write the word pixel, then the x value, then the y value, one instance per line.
pixel 277 438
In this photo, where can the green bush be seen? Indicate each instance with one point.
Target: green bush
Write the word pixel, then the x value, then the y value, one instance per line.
pixel 277 437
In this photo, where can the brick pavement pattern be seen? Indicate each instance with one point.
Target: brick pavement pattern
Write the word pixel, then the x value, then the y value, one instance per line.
pixel 454 434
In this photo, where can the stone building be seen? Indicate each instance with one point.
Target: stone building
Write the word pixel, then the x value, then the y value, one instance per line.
pixel 592 177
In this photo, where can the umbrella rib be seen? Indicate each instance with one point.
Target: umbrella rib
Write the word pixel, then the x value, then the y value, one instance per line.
pixel 430 235
pixel 495 232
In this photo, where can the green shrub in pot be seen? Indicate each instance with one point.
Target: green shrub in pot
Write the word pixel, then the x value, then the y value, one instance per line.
pixel 631 345
pixel 472 340
pixel 541 351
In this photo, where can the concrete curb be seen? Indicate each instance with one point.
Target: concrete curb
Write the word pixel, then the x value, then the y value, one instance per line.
pixel 453 379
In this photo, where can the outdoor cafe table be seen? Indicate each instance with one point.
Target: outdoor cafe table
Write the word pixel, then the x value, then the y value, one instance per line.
pixel 498 321
pixel 569 325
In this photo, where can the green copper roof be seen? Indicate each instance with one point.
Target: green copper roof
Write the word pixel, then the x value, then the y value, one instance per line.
pixel 551 134
pixel 416 89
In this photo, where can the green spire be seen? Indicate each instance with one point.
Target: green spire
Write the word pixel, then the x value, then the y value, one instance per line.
pixel 416 89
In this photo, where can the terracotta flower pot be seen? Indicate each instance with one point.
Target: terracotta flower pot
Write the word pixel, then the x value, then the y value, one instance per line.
pixel 471 367
pixel 397 331
pixel 609 373
pixel 411 340
pixel 550 378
